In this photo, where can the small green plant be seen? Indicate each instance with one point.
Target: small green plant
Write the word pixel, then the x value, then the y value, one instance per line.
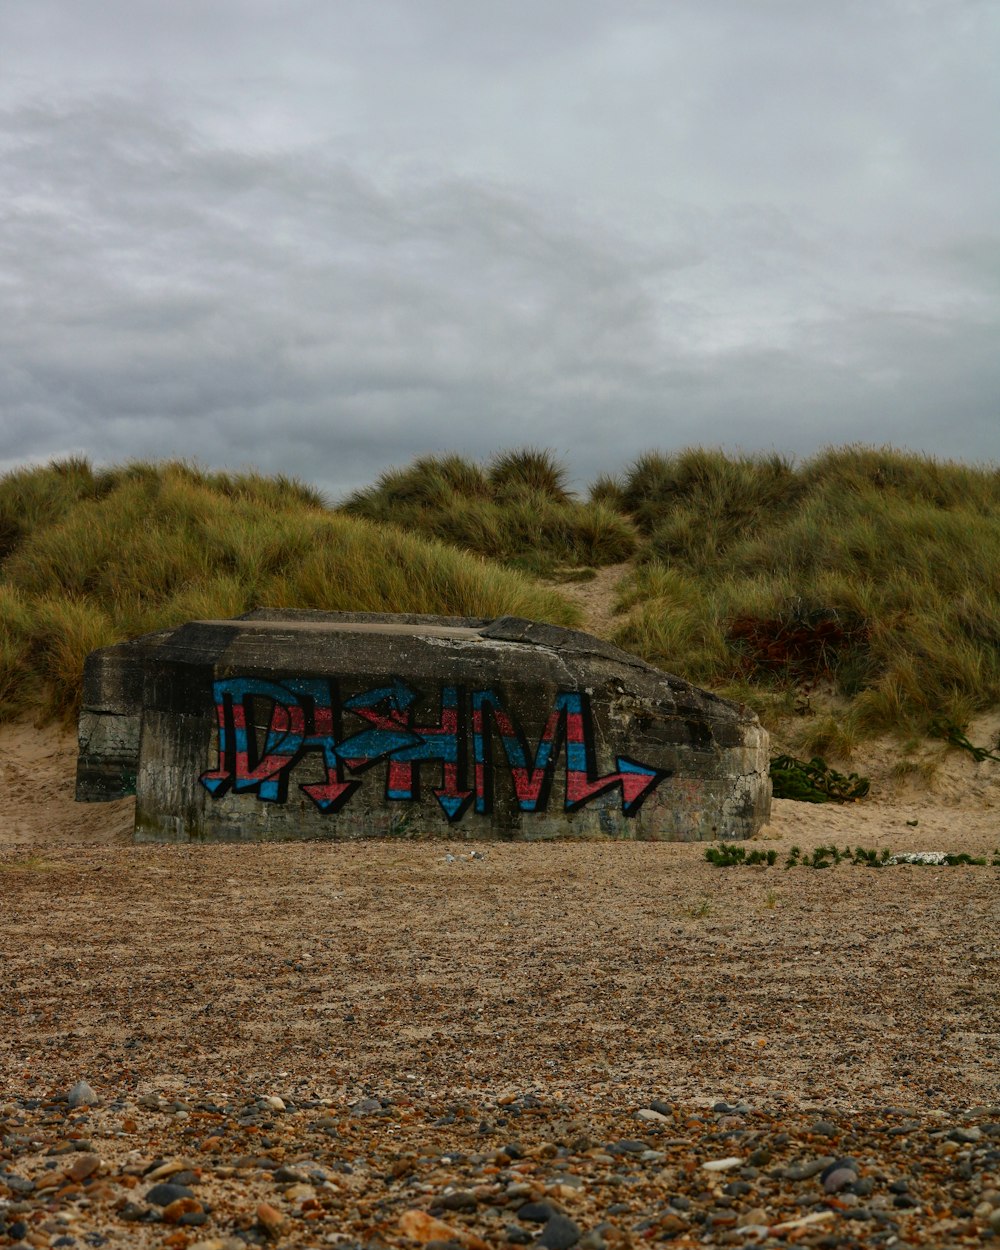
pixel 814 781
pixel 698 910
pixel 728 855
pixel 828 856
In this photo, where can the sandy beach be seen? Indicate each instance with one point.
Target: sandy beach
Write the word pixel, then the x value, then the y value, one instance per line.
pixel 591 980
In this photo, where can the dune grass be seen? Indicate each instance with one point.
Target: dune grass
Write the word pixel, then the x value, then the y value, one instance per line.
pixel 870 570
pixel 869 573
pixel 92 558
pixel 516 509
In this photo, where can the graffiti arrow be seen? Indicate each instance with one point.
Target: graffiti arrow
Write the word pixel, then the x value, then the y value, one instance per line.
pixel 454 802
pixel 386 709
pixel 638 781
pixel 330 796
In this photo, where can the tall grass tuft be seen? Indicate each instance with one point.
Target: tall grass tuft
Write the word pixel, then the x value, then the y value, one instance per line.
pixel 517 511
pixel 528 469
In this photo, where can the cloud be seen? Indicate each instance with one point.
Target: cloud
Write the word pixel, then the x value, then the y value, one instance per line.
pixel 759 228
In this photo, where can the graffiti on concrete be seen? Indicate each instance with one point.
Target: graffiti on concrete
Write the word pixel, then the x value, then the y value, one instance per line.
pixel 299 716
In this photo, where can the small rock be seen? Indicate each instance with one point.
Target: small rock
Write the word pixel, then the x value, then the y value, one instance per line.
pixel 722 1165
pixel 162 1195
pixel 966 1136
pixel 288 1175
pixel 273 1102
pixel 173 1211
pixel 83 1167
pixel 536 1212
pixel 460 1200
pixel 804 1171
pixel 559 1233
pixel 670 1225
pixel 757 1217
pixel 825 1128
pixel 18 1184
pixel 271 1220
pixel 627 1146
pixel 651 1116
pixel 367 1106
pixel 167 1169
pixel 423 1228
pixel 82 1095
pixel 836 1179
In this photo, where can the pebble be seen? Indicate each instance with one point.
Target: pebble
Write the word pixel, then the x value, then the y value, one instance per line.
pixel 367 1106
pixel 80 1169
pixel 461 1200
pixel 838 1178
pixel 651 1116
pixel 82 1095
pixel 805 1171
pixel 559 1233
pixel 536 1212
pixel 549 1185
pixel 163 1194
pixel 271 1220
pixel 627 1146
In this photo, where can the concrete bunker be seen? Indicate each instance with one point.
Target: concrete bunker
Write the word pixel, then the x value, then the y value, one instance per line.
pixel 289 725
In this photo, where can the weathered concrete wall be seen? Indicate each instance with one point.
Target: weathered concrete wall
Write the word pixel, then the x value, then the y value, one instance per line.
pixel 339 725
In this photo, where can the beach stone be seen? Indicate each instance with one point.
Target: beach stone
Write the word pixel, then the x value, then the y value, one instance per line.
pixel 164 1194
pixel 571 736
pixel 367 1106
pixel 559 1233
pixel 82 1095
pixel 836 1179
pixel 460 1200
pixel 536 1212
pixel 83 1167
pixel 805 1171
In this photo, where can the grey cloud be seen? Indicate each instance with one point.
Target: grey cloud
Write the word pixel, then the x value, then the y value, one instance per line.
pixel 381 230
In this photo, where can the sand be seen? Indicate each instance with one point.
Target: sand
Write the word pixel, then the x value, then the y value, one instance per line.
pixel 595 978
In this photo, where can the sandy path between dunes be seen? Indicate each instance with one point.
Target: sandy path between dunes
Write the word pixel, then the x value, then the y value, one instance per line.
pixel 592 968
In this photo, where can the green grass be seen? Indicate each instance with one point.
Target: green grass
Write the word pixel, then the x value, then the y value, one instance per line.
pixel 93 558
pixel 516 509
pixel 871 571
pixel 864 581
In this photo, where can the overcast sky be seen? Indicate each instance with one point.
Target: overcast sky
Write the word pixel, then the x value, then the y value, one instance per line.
pixel 324 236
